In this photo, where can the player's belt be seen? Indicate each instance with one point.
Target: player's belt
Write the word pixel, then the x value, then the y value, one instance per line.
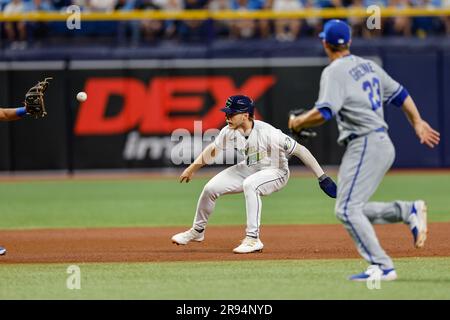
pixel 353 136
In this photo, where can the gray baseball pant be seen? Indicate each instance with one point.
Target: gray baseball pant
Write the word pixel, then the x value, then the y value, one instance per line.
pixel 364 164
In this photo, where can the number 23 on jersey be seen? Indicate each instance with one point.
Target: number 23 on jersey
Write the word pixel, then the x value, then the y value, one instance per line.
pixel 373 90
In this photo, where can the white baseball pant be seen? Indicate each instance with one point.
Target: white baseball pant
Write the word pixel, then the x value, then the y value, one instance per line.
pixel 236 179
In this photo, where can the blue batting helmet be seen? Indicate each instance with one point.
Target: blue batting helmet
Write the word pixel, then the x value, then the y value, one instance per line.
pixel 238 104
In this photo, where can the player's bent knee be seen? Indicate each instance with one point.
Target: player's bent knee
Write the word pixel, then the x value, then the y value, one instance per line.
pixel 340 215
pixel 210 191
pixel 248 186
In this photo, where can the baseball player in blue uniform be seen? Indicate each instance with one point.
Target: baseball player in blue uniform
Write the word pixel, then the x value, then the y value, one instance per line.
pixel 354 90
pixel 9 115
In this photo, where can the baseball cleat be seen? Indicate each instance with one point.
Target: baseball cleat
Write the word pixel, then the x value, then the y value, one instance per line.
pixel 374 272
pixel 418 223
pixel 249 245
pixel 2 251
pixel 184 238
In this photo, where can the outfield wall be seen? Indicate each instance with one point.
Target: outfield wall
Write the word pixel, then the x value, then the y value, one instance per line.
pixel 137 98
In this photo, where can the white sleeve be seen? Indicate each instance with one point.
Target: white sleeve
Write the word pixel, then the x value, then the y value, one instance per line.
pixel 221 140
pixel 331 93
pixel 283 142
pixel 308 159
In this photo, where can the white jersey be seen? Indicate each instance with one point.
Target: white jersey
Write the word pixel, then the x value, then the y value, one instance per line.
pixel 265 147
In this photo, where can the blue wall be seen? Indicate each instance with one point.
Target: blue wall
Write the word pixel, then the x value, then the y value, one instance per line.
pixel 419 74
pixel 445 112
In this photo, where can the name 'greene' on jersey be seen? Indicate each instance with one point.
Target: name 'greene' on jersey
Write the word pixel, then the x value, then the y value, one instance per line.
pixel 355 89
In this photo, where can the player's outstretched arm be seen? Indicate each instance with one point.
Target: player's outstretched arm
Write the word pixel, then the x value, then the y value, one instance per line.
pixel 12 114
pixel 308 159
pixel 326 183
pixel 312 118
pixel 206 157
pixel 424 131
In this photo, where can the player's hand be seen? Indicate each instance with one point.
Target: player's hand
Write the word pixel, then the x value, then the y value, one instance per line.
pixel 292 123
pixel 186 175
pixel 427 134
pixel 328 186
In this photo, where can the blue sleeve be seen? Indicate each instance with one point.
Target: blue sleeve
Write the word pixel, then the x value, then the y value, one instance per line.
pixel 326 113
pixel 398 99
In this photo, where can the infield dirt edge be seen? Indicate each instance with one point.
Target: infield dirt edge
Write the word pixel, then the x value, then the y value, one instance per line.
pixel 281 242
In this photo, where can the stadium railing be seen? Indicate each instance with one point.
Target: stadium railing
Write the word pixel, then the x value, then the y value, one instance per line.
pixel 225 15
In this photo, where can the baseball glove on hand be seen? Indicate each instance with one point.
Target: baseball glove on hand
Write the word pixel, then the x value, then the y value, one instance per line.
pixel 34 99
pixel 303 135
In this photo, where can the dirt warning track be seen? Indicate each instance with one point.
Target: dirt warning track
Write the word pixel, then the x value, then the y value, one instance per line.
pixel 154 245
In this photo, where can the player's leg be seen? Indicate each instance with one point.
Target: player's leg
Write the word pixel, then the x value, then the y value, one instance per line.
pixel 227 181
pixel 259 184
pixel 412 213
pixel 388 212
pixel 363 166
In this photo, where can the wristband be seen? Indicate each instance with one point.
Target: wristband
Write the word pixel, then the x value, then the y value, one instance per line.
pixel 20 112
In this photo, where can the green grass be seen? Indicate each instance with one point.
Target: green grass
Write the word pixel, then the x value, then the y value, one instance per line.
pixel 419 278
pixel 167 203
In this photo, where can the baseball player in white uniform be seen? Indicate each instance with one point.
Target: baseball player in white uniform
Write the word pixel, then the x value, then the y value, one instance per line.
pixel 9 115
pixel 264 171
pixel 354 90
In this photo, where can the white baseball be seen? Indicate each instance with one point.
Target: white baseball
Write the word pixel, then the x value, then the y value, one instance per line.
pixel 81 96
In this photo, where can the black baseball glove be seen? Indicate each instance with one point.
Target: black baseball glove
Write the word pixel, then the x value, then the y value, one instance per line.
pixel 303 135
pixel 34 99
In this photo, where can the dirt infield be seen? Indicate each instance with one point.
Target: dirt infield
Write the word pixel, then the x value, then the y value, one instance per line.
pixel 153 244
